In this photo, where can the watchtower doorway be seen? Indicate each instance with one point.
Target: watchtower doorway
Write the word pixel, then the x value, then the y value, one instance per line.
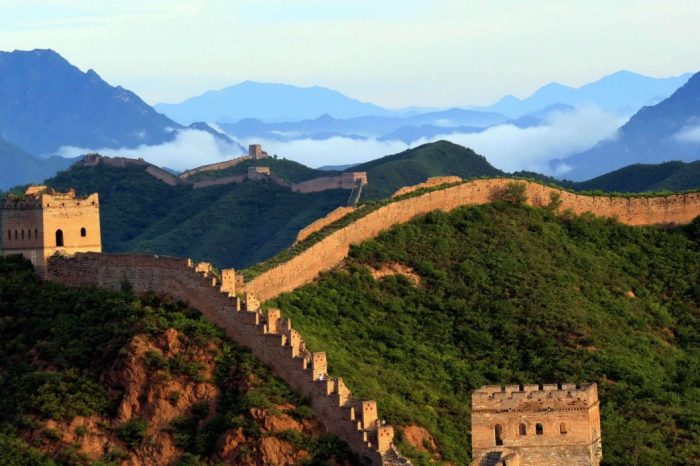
pixel 59 238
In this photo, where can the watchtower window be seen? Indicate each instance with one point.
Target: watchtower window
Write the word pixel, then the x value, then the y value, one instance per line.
pixel 562 428
pixel 9 235
pixel 59 238
pixel 539 430
pixel 498 432
pixel 29 234
pixel 523 429
pixel 36 234
pixel 16 235
pixel 22 234
pixel 83 232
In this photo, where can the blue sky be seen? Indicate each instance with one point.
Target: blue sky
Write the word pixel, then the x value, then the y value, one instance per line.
pixel 394 53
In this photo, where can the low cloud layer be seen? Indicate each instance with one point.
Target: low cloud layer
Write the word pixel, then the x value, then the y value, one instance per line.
pixel 506 146
pixel 190 148
pixel 689 134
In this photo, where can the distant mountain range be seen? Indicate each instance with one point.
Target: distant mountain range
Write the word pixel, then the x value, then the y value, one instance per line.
pixel 622 92
pixel 47 103
pixel 407 129
pixel 667 131
pixel 268 102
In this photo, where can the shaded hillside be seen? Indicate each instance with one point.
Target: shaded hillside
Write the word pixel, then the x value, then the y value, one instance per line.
pixel 233 225
pixel 387 174
pixel 95 377
pixel 46 103
pixel 18 167
pixel 510 294
pixel 669 176
pixel 288 170
pixel 666 131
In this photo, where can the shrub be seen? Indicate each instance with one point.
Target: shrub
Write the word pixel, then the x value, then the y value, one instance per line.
pixel 133 432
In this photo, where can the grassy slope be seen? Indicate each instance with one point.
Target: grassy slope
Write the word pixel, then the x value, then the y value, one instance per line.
pixel 233 225
pixel 288 170
pixel 57 345
pixel 518 295
pixel 387 174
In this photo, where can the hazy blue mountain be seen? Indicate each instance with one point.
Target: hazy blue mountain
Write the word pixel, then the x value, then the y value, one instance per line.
pixel 46 103
pixel 18 167
pixel 362 127
pixel 623 92
pixel 268 102
pixel 667 131
pixel 221 137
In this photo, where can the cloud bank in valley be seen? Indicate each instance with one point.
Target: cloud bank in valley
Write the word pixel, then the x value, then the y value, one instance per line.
pixel 190 148
pixel 689 134
pixel 505 146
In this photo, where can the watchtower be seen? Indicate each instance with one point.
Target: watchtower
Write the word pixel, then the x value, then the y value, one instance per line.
pixel 255 151
pixel 44 222
pixel 536 425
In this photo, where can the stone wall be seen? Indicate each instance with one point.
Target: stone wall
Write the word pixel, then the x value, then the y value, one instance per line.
pixel 270 337
pixel 546 426
pixel 431 182
pixel 321 223
pixel 324 183
pixel 329 252
pixel 215 166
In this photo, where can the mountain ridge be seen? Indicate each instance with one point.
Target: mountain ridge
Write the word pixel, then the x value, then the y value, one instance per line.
pixel 654 134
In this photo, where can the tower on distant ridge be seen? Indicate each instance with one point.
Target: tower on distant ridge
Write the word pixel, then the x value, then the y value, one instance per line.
pixel 255 151
pixel 43 223
pixel 536 426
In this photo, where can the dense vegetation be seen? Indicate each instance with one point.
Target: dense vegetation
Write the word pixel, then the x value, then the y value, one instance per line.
pixel 513 294
pixel 57 344
pixel 669 176
pixel 287 170
pixel 387 174
pixel 232 225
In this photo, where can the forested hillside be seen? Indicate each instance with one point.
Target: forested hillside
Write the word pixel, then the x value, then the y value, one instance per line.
pixel 387 174
pixel 501 293
pixel 91 377
pixel 232 225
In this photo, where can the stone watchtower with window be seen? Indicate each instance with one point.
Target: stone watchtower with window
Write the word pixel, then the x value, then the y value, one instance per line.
pixel 536 426
pixel 44 222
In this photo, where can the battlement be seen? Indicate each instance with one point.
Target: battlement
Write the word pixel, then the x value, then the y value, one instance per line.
pixel 544 425
pixel 44 222
pixel 270 336
pixel 534 397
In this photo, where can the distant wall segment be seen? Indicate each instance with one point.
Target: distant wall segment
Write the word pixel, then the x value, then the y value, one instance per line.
pixel 330 251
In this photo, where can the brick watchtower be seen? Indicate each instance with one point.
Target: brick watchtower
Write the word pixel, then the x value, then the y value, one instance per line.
pixel 44 222
pixel 536 426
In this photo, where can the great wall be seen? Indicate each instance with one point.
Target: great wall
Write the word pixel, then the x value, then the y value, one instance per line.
pixel 352 181
pixel 331 250
pixel 270 337
pixel 235 306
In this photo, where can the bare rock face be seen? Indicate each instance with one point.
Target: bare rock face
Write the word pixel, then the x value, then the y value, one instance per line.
pixel 146 389
pixel 278 452
pixel 420 439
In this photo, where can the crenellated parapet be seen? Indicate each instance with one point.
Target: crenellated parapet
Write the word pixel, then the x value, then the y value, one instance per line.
pixel 537 425
pixel 494 398
pixel 269 335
